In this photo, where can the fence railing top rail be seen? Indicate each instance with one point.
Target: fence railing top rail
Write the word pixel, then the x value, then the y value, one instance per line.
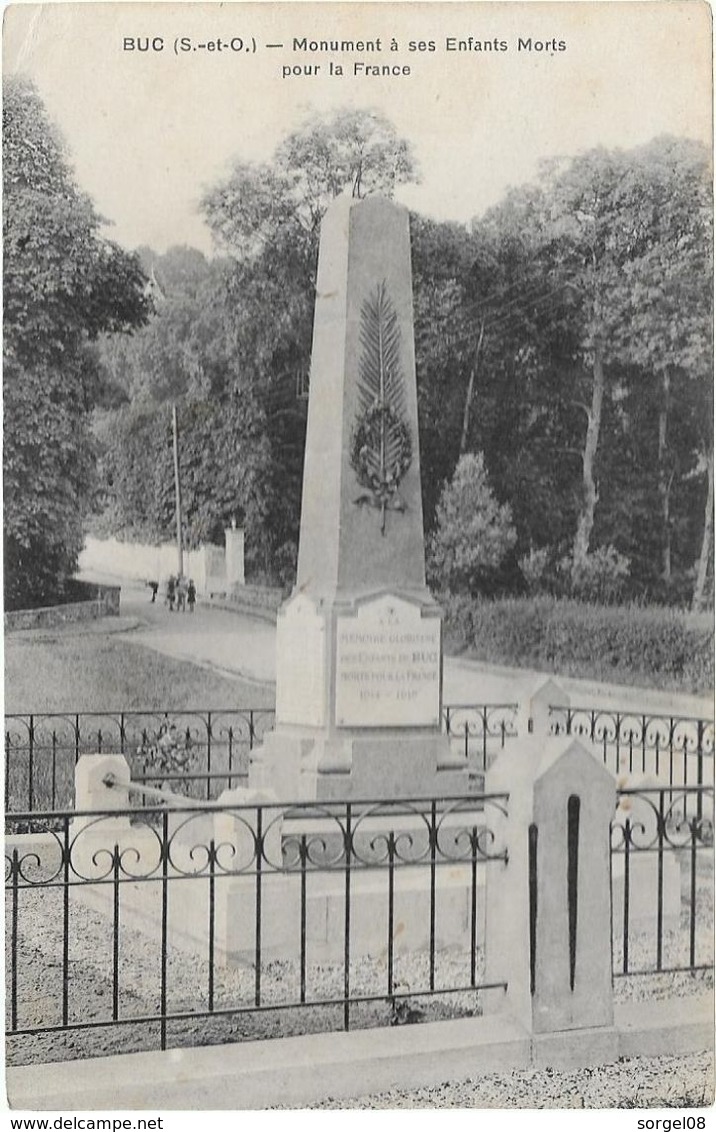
pixel 570 710
pixel 464 706
pixel 628 713
pixel 703 790
pixel 394 807
pixel 225 710
pixel 116 713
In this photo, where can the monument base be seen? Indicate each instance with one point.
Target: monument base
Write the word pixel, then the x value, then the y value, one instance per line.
pixel 321 921
pixel 298 765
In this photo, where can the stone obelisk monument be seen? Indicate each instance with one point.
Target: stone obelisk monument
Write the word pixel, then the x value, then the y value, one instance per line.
pixel 359 653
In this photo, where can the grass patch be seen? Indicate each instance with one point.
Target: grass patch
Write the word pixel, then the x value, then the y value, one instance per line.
pixel 67 670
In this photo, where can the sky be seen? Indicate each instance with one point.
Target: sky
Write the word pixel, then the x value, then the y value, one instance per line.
pixel 150 131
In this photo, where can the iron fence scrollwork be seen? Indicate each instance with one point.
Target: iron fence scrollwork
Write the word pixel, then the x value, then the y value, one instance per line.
pixel 679 749
pixel 662 877
pixel 167 870
pixel 207 748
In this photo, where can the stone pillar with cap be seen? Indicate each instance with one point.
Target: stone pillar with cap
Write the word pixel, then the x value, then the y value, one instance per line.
pixel 548 912
pixel 234 541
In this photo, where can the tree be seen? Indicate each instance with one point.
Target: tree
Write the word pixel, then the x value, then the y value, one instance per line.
pixel 474 533
pixel 182 350
pixel 441 257
pixel 494 363
pixel 223 460
pixel 281 201
pixel 668 333
pixel 606 342
pixel 587 242
pixel 698 599
pixel 64 284
pixel 238 438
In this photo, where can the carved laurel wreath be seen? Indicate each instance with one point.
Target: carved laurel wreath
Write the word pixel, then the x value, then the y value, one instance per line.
pixel 381 444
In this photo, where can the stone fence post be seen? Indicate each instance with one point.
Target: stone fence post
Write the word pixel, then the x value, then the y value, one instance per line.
pixel 93 791
pixel 534 717
pixel 548 927
pixel 93 838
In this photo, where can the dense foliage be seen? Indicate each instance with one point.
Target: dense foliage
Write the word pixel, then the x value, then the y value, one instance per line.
pixel 64 284
pixel 569 341
pixel 563 340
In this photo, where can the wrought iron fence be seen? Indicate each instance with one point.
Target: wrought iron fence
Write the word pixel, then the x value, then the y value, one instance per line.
pixel 206 923
pixel 480 730
pixel 317 916
pixel 662 880
pixel 201 752
pixel 211 748
pixel 678 750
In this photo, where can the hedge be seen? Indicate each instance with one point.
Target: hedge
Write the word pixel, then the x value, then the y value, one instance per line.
pixel 655 646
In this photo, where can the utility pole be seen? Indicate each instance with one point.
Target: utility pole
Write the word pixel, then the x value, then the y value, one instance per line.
pixel 177 490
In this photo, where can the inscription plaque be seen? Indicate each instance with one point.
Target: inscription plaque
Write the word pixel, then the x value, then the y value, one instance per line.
pixel 388 666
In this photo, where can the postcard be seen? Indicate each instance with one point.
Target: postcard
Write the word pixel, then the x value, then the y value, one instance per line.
pixel 358 560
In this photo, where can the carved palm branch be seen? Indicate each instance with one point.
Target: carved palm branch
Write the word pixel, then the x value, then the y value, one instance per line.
pixel 381 377
pixel 382 447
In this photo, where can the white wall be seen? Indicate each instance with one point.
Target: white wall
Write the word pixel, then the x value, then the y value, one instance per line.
pixel 144 562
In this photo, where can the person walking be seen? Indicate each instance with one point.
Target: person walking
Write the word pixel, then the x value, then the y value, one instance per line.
pixel 171 592
pixel 181 593
pixel 191 595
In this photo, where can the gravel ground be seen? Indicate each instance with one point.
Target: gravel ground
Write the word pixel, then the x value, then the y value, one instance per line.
pixel 685 1081
pixel 90 989
pixel 637 1082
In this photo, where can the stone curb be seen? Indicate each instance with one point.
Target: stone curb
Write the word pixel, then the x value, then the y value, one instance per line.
pixel 299 1071
pixel 583 689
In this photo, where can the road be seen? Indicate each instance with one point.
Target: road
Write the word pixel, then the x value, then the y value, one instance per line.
pixel 236 644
